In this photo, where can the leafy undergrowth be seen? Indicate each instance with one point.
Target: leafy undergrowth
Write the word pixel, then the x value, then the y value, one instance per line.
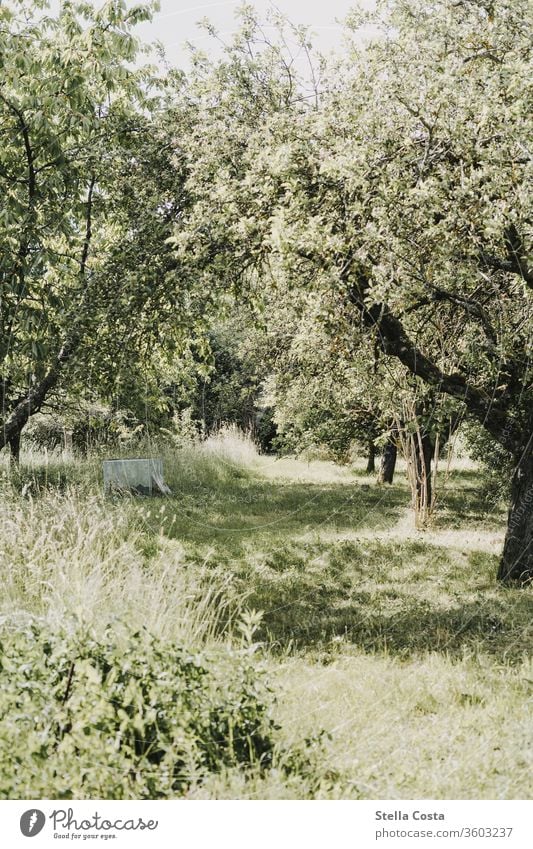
pixel 400 668
pixel 124 716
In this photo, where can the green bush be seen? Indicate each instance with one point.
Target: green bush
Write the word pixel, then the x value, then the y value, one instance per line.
pixel 126 716
pixel 85 427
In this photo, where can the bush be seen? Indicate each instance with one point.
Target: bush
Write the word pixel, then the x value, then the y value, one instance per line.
pixel 126 716
pixel 86 427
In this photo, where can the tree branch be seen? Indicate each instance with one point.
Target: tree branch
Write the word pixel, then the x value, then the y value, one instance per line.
pixel 37 395
pixel 30 158
pixel 473 308
pixel 516 261
pixel 394 341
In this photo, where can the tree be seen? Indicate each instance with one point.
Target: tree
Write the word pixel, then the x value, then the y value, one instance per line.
pixel 443 273
pixel 388 458
pixel 404 191
pixel 90 189
pixel 230 393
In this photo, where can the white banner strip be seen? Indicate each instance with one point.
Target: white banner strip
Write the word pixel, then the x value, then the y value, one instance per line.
pixel 268 824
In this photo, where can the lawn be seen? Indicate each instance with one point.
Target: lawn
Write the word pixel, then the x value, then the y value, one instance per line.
pixel 396 666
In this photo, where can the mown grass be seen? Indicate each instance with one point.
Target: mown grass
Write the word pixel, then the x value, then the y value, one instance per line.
pixel 401 668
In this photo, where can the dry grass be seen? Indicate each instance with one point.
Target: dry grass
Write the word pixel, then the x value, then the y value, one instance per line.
pixel 231 445
pixel 71 554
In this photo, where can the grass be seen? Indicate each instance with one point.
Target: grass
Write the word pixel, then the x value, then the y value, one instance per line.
pixel 401 669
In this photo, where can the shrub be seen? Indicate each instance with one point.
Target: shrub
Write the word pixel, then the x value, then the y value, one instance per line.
pixel 126 716
pixel 83 428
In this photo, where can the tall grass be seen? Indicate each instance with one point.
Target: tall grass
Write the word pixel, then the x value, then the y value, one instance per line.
pixel 233 446
pixel 67 551
pixel 69 559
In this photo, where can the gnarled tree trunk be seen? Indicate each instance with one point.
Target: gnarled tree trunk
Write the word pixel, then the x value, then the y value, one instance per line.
pixel 517 558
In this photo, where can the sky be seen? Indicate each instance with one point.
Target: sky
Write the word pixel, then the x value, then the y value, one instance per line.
pixel 176 23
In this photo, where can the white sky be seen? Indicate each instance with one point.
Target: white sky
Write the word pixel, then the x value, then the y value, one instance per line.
pixel 177 21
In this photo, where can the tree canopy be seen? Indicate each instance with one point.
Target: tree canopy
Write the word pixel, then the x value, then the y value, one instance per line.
pixel 91 186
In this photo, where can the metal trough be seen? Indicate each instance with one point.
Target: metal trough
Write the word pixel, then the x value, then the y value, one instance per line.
pixel 142 476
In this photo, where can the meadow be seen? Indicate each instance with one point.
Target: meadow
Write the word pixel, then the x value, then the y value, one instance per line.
pixel 356 656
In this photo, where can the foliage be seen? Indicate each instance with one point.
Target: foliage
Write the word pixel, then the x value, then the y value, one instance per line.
pixel 91 186
pixel 401 193
pixel 496 462
pixel 182 396
pixel 231 392
pixel 126 716
pixel 84 427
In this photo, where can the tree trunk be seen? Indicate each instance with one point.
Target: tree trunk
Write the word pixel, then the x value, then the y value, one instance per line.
pixel 490 408
pixel 388 461
pixel 424 449
pixel 371 464
pixel 517 558
pixel 14 424
pixel 14 447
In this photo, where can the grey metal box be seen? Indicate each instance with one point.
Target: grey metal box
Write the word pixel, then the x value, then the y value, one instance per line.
pixel 142 476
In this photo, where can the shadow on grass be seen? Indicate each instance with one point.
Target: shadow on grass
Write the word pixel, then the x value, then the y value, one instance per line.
pixel 402 598
pixel 271 540
pixel 467 496
pixel 247 512
pixel 398 596
pixel 52 474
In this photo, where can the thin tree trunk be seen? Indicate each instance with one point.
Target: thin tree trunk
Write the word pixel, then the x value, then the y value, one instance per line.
pixel 371 463
pixel 388 461
pixel 517 558
pixel 18 418
pixel 424 448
